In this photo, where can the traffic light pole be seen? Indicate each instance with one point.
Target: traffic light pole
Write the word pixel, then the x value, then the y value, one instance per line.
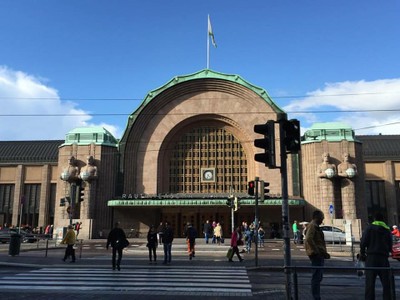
pixel 257 179
pixel 73 194
pixel 285 210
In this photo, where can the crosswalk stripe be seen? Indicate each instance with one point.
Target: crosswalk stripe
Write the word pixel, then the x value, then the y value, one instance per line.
pixel 152 280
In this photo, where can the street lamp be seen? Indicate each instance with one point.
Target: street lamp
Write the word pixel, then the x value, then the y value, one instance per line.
pixel 85 175
pixel 65 175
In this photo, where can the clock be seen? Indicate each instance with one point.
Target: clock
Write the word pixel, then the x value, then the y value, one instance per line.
pixel 208 175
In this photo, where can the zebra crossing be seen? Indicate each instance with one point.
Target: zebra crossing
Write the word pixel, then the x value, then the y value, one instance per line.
pixel 144 280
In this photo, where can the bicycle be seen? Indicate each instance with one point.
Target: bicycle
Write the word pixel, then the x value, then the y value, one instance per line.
pixel 133 233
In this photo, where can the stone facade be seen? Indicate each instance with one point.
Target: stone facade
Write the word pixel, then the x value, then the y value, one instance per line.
pixel 141 165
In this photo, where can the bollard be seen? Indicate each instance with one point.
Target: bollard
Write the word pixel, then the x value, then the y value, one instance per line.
pixel 80 249
pixel 15 244
pixel 47 247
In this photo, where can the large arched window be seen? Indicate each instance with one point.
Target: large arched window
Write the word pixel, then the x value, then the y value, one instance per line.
pixel 207 160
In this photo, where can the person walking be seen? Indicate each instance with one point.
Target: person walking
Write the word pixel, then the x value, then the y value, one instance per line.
pixel 218 233
pixel 207 231
pixel 295 229
pixel 235 241
pixel 117 240
pixel 395 232
pixel 375 246
pixel 261 236
pixel 69 239
pixel 78 227
pixel 214 239
pixel 152 243
pixel 168 237
pixel 316 251
pixel 191 234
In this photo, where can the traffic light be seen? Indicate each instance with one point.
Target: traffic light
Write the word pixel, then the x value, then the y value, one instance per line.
pixel 229 202
pixel 81 194
pixel 267 143
pixel 236 203
pixel 292 140
pixel 64 201
pixel 264 190
pixel 251 187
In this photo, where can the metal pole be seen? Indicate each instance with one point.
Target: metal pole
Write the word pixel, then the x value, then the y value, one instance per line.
pixel 285 210
pixel 232 220
pixel 72 204
pixel 257 179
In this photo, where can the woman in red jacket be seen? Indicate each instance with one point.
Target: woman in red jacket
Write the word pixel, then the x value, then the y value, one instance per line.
pixel 235 241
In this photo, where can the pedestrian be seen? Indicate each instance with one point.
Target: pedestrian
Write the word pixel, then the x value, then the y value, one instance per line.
pixel 207 231
pixel 168 237
pixel 316 251
pixel 261 236
pixel 295 229
pixel 160 232
pixel 396 232
pixel 214 239
pixel 191 234
pixel 69 239
pixel 375 245
pixel 47 231
pixel 117 240
pixel 152 243
pixel 235 241
pixel 248 236
pixel 78 226
pixel 218 233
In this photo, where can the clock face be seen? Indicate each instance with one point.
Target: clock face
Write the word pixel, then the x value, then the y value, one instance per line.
pixel 208 175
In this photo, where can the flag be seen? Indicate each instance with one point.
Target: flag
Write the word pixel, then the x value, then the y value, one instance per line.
pixel 210 33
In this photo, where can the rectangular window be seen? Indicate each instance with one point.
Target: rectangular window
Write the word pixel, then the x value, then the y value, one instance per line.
pixel 6 203
pixel 30 211
pixel 375 197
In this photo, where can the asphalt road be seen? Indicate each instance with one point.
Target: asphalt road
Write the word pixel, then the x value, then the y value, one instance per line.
pixel 31 269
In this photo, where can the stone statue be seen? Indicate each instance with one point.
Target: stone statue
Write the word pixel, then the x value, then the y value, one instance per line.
pixel 347 169
pixel 70 173
pixel 326 169
pixel 89 172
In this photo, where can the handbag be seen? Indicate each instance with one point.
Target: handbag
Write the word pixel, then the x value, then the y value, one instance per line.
pixel 121 244
pixel 229 253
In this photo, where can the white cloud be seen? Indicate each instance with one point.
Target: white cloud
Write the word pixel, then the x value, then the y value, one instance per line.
pixel 25 102
pixel 341 99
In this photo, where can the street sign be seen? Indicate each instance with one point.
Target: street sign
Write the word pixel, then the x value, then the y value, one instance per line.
pixel 331 209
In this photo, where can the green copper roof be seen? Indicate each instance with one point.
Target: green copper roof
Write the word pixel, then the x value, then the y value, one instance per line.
pixel 206 73
pixel 329 131
pixel 89 135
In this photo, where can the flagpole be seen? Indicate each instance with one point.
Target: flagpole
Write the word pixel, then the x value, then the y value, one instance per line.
pixel 208 43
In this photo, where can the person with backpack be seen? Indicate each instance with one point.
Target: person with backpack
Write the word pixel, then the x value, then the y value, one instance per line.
pixel 191 234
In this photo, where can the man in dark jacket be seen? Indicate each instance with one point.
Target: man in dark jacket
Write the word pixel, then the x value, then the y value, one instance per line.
pixel 191 234
pixel 316 251
pixel 207 230
pixel 376 243
pixel 117 239
pixel 168 237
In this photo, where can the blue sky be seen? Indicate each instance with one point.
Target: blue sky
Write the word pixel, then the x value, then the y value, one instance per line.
pixel 99 59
